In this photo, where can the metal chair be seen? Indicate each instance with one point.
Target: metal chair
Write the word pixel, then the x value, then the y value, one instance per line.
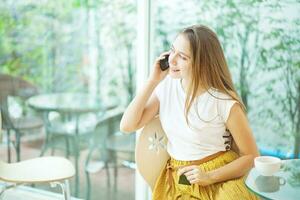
pixel 107 144
pixel 11 86
pixel 122 148
pixel 72 128
pixel 70 135
pixel 53 170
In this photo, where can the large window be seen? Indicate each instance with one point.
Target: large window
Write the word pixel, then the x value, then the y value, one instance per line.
pixel 261 42
pixel 73 46
pixel 90 46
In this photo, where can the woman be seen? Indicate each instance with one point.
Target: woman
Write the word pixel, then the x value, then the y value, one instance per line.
pixel 200 112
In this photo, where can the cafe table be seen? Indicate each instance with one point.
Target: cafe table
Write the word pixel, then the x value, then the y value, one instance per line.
pixel 70 104
pixel 283 185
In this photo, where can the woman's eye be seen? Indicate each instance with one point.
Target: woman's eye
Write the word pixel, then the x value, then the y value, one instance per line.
pixel 183 58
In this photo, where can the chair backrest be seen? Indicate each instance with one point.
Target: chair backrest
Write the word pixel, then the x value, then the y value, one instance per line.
pixel 151 155
pixel 107 124
pixel 16 87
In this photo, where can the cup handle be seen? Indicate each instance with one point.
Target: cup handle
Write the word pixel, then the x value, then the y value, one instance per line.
pixel 283 181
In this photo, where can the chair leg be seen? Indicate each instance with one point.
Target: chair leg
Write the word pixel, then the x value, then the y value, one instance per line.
pixel 45 145
pixel 52 146
pixel 67 147
pixel 43 151
pixel 77 155
pixel 115 172
pixel 8 146
pixel 88 182
pixel 52 151
pixel 107 173
pixel 18 145
pixel 87 174
pixel 65 187
pixel 66 192
pixel 77 175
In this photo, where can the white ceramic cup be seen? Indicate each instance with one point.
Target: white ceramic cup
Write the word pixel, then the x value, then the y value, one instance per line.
pixel 267 165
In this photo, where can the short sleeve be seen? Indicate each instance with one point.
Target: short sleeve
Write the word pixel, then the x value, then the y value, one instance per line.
pixel 225 105
pixel 159 91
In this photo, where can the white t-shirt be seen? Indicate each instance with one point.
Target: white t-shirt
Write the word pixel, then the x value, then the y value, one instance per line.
pixel 204 136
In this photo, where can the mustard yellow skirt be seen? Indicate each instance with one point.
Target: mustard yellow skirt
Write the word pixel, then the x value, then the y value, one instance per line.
pixel 234 189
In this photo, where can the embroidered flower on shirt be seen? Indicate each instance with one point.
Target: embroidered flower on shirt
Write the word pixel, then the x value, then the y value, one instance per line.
pixel 156 143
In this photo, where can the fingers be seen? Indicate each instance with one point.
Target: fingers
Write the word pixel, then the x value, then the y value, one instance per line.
pixel 162 55
pixel 193 181
pixel 192 172
pixel 192 176
pixel 186 169
pixel 165 53
pixel 195 175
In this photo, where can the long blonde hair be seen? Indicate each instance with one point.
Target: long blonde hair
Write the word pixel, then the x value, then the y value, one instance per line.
pixel 209 68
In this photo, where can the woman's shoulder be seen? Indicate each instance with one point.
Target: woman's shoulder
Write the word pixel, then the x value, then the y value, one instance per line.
pixel 163 86
pixel 224 102
pixel 222 95
pixel 167 82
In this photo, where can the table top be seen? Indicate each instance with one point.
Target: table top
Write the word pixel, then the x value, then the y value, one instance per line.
pixel 285 184
pixel 66 102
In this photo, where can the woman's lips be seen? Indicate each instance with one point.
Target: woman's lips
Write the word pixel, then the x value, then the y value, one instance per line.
pixel 175 70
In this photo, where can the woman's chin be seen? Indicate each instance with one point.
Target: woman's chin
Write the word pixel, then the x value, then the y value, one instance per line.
pixel 174 75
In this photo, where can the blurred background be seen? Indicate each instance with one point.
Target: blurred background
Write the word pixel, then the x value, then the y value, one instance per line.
pixel 82 52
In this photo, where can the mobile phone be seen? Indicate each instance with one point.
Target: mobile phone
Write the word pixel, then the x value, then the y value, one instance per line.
pixel 183 180
pixel 164 63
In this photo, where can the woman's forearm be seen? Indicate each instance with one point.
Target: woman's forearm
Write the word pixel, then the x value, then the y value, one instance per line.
pixel 134 111
pixel 235 169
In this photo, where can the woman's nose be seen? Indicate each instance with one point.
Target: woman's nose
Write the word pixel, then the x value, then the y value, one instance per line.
pixel 172 59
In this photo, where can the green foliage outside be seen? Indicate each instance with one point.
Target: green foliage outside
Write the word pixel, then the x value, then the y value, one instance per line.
pixel 262 46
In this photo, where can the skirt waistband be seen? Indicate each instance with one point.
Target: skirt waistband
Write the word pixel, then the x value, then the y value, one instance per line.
pixel 170 167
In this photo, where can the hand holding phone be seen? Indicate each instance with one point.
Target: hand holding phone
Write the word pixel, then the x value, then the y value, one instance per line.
pixel 164 63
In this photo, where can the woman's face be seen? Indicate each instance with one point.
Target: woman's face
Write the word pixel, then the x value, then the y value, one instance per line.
pixel 180 58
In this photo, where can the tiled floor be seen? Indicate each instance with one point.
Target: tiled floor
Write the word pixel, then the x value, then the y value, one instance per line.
pixel 99 190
